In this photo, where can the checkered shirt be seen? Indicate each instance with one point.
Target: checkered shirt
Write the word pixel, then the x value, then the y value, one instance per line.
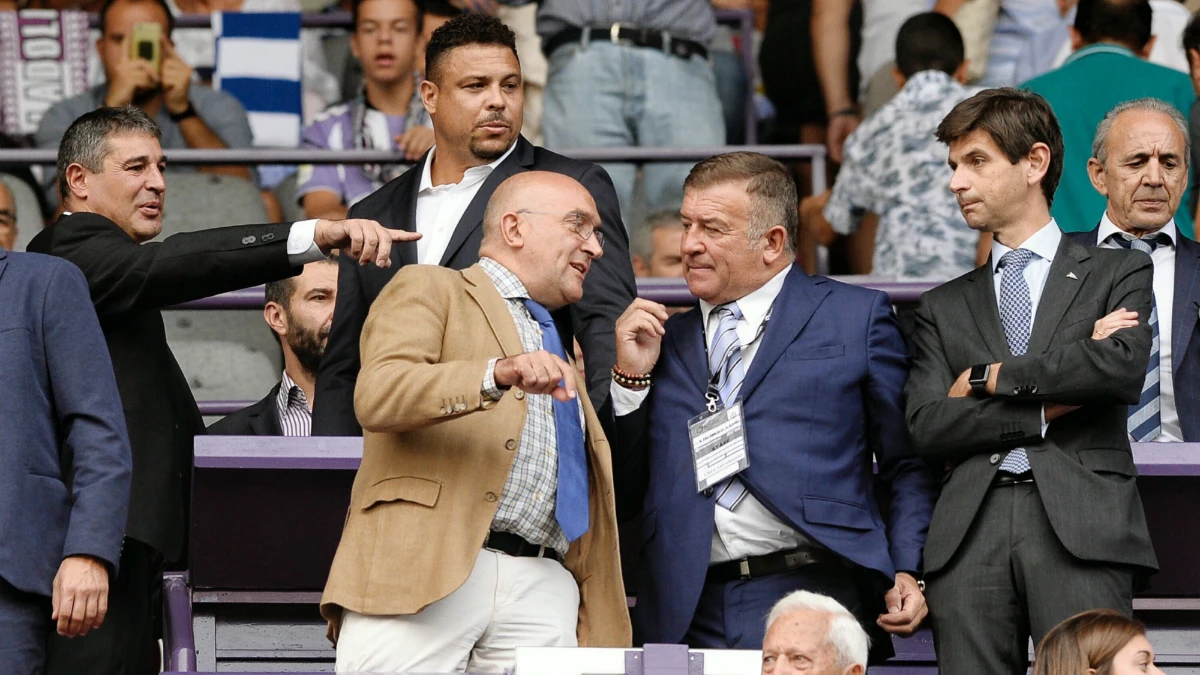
pixel 527 503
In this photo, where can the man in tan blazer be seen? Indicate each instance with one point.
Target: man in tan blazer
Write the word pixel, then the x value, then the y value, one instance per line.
pixel 482 517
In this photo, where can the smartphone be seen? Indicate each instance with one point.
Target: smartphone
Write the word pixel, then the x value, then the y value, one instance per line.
pixel 146 43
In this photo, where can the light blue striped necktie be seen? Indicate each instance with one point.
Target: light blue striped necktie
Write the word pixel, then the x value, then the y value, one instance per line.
pixel 1016 314
pixel 1145 418
pixel 725 367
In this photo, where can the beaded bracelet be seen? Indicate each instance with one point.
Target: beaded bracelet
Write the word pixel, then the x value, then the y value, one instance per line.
pixel 628 381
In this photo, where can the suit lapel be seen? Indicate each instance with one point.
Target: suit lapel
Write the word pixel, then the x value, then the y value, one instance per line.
pixel 981 301
pixel 481 288
pixel 1186 306
pixel 406 204
pixel 472 218
pixel 1058 292
pixel 687 343
pixel 799 298
pixel 265 419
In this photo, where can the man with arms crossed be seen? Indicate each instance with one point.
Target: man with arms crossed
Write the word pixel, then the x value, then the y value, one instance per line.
pixel 484 501
pixel 1039 516
pixel 1140 163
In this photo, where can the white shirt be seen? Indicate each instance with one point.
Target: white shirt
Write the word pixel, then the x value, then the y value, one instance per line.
pixel 1164 299
pixel 440 207
pixel 749 529
pixel 1044 245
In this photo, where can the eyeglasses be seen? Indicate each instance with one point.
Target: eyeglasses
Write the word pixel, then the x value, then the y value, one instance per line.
pixel 578 223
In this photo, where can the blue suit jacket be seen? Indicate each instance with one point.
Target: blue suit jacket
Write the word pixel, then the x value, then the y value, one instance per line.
pixel 64 489
pixel 1185 331
pixel 823 393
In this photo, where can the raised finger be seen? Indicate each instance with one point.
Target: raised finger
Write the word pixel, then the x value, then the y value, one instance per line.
pixel 383 248
pixel 403 235
pixel 566 385
pixel 356 241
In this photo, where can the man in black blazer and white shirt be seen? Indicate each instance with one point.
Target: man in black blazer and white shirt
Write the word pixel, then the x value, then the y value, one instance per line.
pixel 473 94
pixel 110 166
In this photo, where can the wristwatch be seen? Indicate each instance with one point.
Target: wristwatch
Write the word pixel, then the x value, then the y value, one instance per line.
pixel 190 111
pixel 978 379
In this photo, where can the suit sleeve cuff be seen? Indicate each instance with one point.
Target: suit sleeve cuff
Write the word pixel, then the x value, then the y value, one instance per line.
pixel 626 401
pixel 301 244
pixel 1045 424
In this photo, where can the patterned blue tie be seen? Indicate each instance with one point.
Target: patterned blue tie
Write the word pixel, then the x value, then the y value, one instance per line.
pixel 1016 314
pixel 571 501
pixel 1145 418
pixel 725 365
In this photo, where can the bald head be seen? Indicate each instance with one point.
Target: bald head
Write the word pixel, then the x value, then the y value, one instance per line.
pixel 544 228
pixel 8 218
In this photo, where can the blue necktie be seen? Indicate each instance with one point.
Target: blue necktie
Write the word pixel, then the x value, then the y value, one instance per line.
pixel 1016 314
pixel 1145 419
pixel 571 501
pixel 725 365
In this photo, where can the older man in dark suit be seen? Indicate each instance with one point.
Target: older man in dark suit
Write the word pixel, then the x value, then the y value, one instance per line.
pixel 66 461
pixel 1140 163
pixel 474 96
pixel 110 167
pixel 1039 516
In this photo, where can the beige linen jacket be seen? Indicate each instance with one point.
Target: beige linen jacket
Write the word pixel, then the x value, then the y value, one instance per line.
pixel 436 457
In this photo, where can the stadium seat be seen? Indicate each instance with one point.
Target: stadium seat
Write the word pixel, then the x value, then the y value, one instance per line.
pixel 29 213
pixel 226 355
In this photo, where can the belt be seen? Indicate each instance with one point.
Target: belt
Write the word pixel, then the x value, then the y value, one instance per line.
pixel 1006 478
pixel 772 563
pixel 624 34
pixel 507 542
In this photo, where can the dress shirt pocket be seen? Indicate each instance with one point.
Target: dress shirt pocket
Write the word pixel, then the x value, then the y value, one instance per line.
pixel 803 352
pixel 412 489
pixel 837 513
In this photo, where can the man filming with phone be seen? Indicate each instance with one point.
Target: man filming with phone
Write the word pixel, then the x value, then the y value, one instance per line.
pixel 142 69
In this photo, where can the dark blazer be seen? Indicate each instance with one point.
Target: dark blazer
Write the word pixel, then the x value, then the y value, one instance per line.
pixel 608 289
pixel 260 419
pixel 822 395
pixel 129 284
pixel 1185 331
pixel 64 489
pixel 1083 467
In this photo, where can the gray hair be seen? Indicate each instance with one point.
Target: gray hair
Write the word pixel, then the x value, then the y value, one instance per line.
pixel 86 140
pixel 643 237
pixel 1100 142
pixel 845 635
pixel 768 183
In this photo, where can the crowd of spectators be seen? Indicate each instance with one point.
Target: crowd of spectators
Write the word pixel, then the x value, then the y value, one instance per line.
pixel 1032 157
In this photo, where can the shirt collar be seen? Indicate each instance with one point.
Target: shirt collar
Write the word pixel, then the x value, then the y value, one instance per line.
pixel 481 171
pixel 756 303
pixel 1108 228
pixel 1101 48
pixel 1044 244
pixel 507 283
pixel 290 394
pixel 928 84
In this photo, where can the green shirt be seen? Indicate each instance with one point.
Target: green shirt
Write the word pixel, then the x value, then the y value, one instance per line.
pixel 1093 81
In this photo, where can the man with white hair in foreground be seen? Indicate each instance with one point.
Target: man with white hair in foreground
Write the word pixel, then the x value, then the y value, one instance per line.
pixel 814 634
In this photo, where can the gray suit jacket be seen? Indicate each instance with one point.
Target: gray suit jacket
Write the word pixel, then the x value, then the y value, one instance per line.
pixel 1083 467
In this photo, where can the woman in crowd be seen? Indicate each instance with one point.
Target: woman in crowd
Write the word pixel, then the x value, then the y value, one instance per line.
pixel 1096 642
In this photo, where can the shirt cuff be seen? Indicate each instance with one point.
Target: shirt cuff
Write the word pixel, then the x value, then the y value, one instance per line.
pixel 301 244
pixel 1045 424
pixel 489 391
pixel 626 401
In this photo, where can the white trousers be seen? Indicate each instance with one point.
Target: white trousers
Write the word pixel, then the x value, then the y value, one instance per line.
pixel 506 603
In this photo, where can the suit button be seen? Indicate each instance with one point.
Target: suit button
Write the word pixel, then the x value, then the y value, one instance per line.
pixel 520 395
pixel 491 496
pixel 708 492
pixel 270 236
pixel 994 459
pixel 510 444
pixel 442 410
pixel 1033 389
pixel 1016 391
pixel 249 240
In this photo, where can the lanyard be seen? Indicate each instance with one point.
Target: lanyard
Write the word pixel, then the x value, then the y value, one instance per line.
pixel 712 395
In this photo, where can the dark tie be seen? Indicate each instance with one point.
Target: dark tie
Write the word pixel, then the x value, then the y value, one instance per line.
pixel 571 501
pixel 1145 418
pixel 1016 314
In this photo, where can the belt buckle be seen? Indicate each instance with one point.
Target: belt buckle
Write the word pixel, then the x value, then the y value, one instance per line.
pixel 614 33
pixel 744 568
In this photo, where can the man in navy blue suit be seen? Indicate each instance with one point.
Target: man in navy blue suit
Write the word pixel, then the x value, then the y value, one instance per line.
pixel 1140 164
pixel 64 490
pixel 816 369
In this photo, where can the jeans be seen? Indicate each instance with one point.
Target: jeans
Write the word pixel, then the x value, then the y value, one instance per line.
pixel 600 94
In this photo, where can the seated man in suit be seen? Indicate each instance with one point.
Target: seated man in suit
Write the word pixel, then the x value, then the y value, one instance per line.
pixel 298 310
pixel 110 177
pixel 813 634
pixel 1139 162
pixel 474 95
pixel 66 461
pixel 810 372
pixel 482 516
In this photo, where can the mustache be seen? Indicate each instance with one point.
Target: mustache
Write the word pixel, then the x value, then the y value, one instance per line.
pixel 494 117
